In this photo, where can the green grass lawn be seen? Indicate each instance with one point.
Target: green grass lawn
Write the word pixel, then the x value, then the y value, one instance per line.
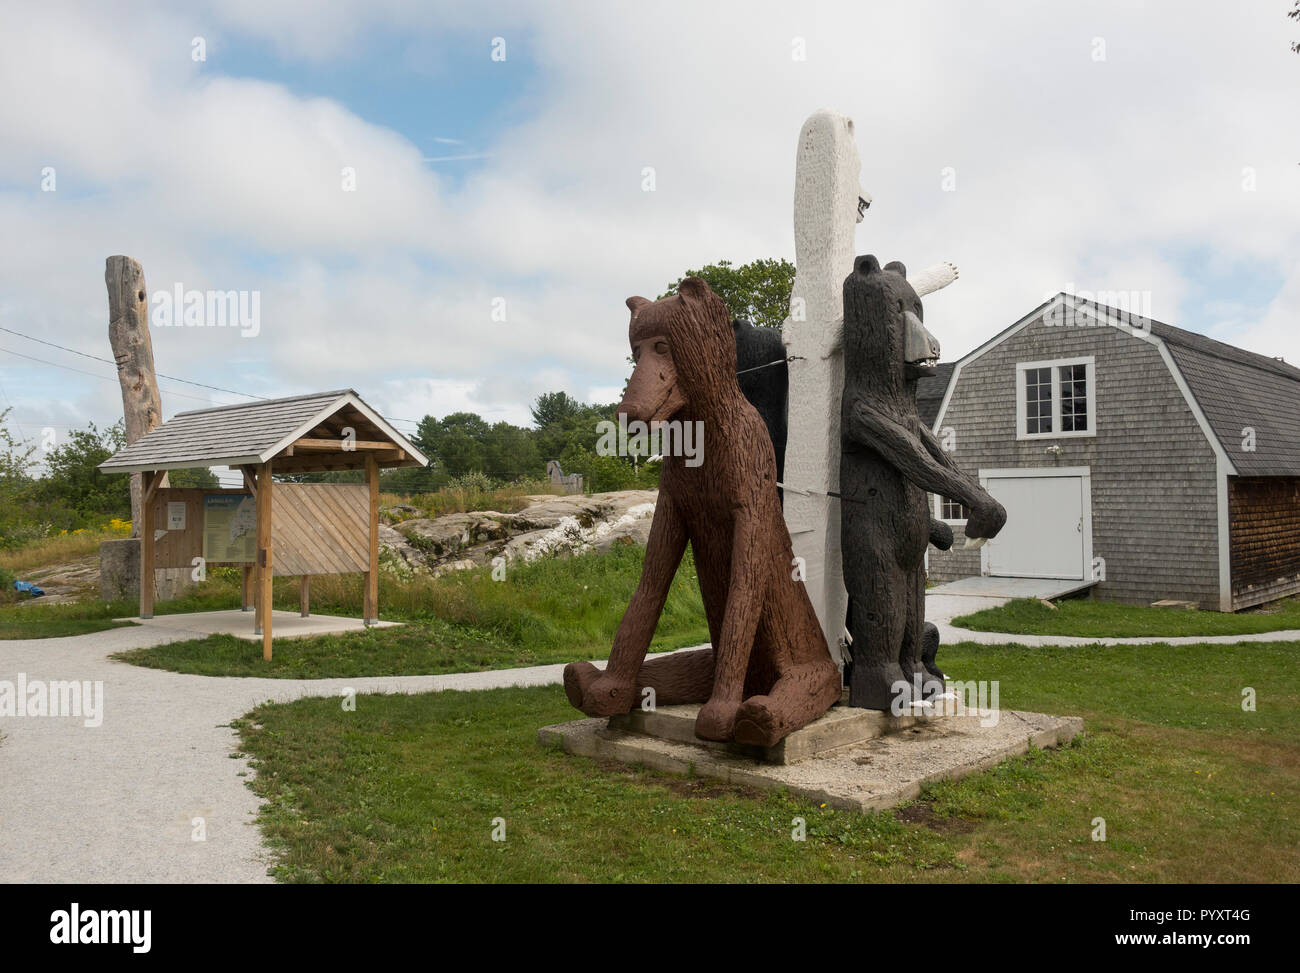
pixel 1192 788
pixel 56 619
pixel 1084 618
pixel 14 626
pixel 554 610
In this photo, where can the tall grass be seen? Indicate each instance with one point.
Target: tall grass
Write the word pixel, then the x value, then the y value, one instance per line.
pixel 65 546
pixel 469 494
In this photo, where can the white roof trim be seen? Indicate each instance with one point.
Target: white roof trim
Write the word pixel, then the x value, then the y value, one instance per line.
pixel 184 465
pixel 988 346
pixel 1145 334
pixel 1142 334
pixel 347 398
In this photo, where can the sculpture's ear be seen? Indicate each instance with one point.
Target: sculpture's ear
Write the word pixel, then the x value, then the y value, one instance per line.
pixel 897 267
pixel 633 303
pixel 694 288
pixel 866 265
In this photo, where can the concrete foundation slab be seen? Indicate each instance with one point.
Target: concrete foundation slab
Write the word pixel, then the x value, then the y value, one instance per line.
pixel 284 624
pixel 841 726
pixel 877 773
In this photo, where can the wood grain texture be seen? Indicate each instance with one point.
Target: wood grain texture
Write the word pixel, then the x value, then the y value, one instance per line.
pixel 890 465
pixel 371 612
pixel 769 671
pixel 1265 518
pixel 265 555
pixel 128 335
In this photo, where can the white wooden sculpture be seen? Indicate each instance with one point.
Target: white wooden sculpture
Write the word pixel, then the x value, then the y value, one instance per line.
pixel 828 203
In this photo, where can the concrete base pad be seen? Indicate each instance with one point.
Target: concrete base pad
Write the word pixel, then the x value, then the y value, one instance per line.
pixel 874 774
pixel 284 624
pixel 842 726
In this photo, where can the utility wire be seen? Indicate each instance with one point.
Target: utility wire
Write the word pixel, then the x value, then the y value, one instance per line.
pixel 106 378
pixel 109 361
pixel 170 378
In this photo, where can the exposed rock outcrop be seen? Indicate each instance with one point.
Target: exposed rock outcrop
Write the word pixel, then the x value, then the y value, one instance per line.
pixel 548 525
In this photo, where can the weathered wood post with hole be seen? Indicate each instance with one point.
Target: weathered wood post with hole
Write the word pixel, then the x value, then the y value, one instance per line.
pixel 128 333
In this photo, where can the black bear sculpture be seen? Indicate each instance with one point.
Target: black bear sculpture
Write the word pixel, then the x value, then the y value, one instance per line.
pixel 889 464
pixel 764 380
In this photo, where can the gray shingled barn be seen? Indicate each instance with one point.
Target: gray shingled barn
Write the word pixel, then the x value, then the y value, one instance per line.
pixel 1141 459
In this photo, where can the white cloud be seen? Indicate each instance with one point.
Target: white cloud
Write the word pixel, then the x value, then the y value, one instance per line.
pixel 1068 170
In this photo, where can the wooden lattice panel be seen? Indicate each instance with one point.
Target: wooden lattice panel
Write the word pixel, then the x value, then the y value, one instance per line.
pixel 319 528
pixel 316 528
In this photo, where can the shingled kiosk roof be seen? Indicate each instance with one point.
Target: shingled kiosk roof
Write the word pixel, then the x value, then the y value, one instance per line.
pixel 250 433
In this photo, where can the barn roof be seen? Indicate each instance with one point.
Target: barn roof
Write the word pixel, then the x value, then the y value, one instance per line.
pixel 1238 391
pixel 250 433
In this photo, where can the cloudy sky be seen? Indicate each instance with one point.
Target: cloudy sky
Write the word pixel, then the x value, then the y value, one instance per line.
pixel 1108 146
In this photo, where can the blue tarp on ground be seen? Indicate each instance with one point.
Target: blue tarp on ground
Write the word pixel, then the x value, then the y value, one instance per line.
pixel 29 588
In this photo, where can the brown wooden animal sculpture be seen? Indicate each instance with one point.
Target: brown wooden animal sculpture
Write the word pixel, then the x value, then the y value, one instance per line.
pixel 768 672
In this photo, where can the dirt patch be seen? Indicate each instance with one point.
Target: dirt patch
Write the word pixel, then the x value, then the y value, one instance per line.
pixel 923 814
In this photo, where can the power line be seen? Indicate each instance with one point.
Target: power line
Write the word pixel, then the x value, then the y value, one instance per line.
pixel 82 371
pixel 170 378
pixel 109 361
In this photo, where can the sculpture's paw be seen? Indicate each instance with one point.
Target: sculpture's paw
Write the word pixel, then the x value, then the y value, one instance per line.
pixel 755 724
pixel 596 693
pixel 885 688
pixel 985 522
pixel 717 720
pixel 577 677
pixel 930 686
pixel 930 650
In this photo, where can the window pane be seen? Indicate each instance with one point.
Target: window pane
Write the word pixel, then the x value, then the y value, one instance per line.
pixel 1074 398
pixel 1038 400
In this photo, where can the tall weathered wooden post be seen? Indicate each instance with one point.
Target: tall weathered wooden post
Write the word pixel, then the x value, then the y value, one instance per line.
pixel 827 200
pixel 128 333
pixel 826 194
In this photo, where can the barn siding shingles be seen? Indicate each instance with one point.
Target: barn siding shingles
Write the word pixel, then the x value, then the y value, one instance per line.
pixel 1265 538
pixel 1154 500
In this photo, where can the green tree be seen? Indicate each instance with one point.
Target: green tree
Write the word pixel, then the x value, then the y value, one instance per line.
pixel 552 407
pixel 72 479
pixel 454 443
pixel 200 478
pixel 16 458
pixel 758 291
pixel 578 429
pixel 600 473
pixel 509 453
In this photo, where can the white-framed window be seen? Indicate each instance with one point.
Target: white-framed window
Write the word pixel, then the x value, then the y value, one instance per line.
pixel 950 511
pixel 1056 399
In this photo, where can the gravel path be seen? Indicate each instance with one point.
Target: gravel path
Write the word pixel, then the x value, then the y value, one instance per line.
pixel 114 803
pixel 942 609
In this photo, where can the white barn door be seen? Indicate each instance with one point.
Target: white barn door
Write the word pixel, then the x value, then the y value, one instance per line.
pixel 1049 523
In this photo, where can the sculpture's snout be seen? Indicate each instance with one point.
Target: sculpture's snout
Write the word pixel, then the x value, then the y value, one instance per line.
pixel 921 349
